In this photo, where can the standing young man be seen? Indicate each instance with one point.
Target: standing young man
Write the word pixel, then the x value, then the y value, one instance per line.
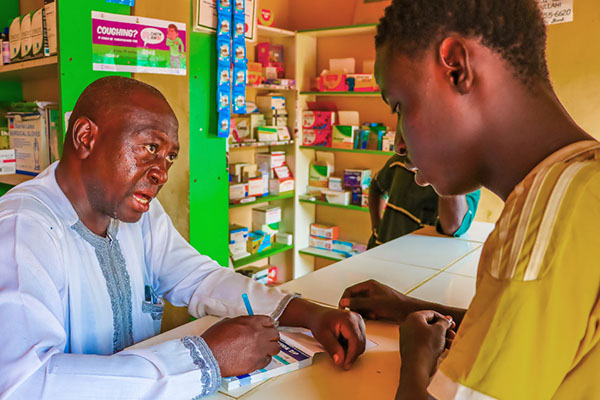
pixel 470 80
pixel 88 253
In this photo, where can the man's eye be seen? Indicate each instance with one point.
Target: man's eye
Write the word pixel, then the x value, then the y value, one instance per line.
pixel 172 157
pixel 151 148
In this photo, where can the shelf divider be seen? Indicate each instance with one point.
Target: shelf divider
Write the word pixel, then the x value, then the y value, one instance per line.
pixel 264 199
pixel 324 203
pixel 327 254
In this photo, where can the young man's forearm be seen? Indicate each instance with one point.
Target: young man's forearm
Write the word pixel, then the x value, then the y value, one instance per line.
pixel 375 206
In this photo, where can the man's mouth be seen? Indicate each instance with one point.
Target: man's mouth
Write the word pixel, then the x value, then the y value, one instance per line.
pixel 142 198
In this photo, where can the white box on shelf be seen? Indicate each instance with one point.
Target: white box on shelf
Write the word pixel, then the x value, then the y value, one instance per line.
pixel 284 238
pixel 266 215
pixel 278 186
pixel 238 191
pixel 324 244
pixel 337 197
pixel 8 162
pixel 266 103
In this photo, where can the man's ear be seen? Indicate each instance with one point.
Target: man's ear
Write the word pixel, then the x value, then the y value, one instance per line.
pixel 454 58
pixel 85 134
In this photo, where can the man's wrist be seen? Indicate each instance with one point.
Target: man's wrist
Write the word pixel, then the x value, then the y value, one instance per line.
pixel 413 383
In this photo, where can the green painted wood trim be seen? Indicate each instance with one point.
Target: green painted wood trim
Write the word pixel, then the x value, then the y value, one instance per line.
pixel 308 251
pixel 363 151
pixel 4 187
pixel 337 28
pixel 350 94
pixel 264 199
pixel 324 203
pixel 75 48
pixel 209 186
pixel 276 249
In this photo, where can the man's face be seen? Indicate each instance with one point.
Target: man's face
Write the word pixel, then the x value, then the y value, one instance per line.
pixel 432 123
pixel 128 165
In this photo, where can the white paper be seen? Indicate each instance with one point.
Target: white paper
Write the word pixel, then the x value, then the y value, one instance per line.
pixel 557 11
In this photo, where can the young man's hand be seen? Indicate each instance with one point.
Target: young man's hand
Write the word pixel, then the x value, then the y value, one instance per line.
pixel 375 300
pixel 243 344
pixel 423 337
pixel 342 333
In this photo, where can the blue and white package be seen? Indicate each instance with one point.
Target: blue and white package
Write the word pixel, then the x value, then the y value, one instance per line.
pixel 224 51
pixel 224 26
pixel 224 122
pixel 239 52
pixel 224 7
pixel 224 73
pixel 239 7
pixel 239 101
pixel 223 97
pixel 239 27
pixel 240 76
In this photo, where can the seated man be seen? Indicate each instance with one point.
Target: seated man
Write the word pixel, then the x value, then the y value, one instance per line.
pixel 88 253
pixel 471 82
pixel 410 206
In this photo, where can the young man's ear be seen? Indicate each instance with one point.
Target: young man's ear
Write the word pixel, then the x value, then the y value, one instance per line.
pixel 454 58
pixel 85 133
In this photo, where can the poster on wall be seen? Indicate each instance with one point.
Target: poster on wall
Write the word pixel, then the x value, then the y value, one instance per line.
pixel 127 43
pixel 206 17
pixel 557 11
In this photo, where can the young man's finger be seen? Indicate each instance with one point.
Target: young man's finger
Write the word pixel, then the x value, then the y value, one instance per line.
pixel 355 341
pixel 333 347
pixel 363 305
pixel 360 289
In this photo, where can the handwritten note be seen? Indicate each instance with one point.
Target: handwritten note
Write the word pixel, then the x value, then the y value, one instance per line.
pixel 557 11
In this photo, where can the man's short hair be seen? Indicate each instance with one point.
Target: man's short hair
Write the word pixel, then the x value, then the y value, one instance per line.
pixel 174 27
pixel 515 29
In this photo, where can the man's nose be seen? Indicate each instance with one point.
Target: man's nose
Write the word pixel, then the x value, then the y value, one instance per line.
pixel 158 175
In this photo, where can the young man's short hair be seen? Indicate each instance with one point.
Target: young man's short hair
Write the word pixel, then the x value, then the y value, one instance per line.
pixel 515 29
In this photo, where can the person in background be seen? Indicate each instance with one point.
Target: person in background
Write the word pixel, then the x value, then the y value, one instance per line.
pixel 471 82
pixel 88 254
pixel 410 207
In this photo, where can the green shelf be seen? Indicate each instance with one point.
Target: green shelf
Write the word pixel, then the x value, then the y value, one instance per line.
pixel 264 199
pixel 276 249
pixel 363 151
pixel 326 254
pixel 324 203
pixel 351 94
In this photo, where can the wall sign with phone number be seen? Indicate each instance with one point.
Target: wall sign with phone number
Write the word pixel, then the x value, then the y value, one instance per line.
pixel 557 11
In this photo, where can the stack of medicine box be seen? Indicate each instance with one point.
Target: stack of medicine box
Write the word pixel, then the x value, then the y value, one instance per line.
pixel 358 181
pixel 322 236
pixel 280 177
pixel 317 128
pixel 247 182
pixel 273 108
pixel 238 238
pixel 265 224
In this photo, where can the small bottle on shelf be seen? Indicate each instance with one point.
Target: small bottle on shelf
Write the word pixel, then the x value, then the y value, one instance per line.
pixel 4 47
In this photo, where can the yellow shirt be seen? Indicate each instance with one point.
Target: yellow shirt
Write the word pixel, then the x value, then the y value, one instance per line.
pixel 532 330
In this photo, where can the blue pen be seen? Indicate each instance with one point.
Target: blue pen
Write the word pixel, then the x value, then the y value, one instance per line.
pixel 247 304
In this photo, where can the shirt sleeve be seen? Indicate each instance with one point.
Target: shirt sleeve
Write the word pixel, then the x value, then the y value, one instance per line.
pixel 472 203
pixel 34 310
pixel 528 325
pixel 187 278
pixel 384 177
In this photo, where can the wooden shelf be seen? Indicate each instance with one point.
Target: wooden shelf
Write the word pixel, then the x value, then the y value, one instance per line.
pixel 272 32
pixel 15 179
pixel 275 249
pixel 260 144
pixel 363 151
pixel 347 207
pixel 341 30
pixel 30 70
pixel 329 255
pixel 271 88
pixel 264 199
pixel 347 94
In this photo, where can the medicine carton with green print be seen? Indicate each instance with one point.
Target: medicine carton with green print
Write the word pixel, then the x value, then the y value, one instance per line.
pixel 343 136
pixel 15 40
pixel 26 49
pixel 321 169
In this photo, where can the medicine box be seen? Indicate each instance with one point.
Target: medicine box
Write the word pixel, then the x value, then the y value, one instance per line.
pixel 238 233
pixel 241 129
pixel 255 186
pixel 319 243
pixel 284 238
pixel 267 161
pixel 266 215
pixel 238 191
pixel 278 186
pixel 269 54
pixel 266 103
pixel 318 119
pixel 8 162
pixel 330 82
pixel 15 39
pixel 335 183
pixel 316 137
pixel 26 49
pixel 343 136
pixel 361 83
pixel 348 118
pixel 335 197
pixel 357 178
pixel 50 22
pixel 343 247
pixel 267 134
pixel 318 174
pixel 324 231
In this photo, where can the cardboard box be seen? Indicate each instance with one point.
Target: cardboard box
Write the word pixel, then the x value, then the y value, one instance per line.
pixel 26 49
pixel 284 238
pixel 348 118
pixel 318 119
pixel 282 172
pixel 238 191
pixel 255 186
pixel 235 170
pixel 269 53
pixel 267 134
pixel 50 27
pixel 362 83
pixel 335 183
pixel 344 65
pixel 255 75
pixel 278 186
pixel 324 231
pixel 387 143
pixel 266 214
pixel 317 137
pixel 39 42
pixel 283 132
pixel 318 174
pixel 241 131
pixel 267 103
pixel 324 244
pixel 331 82
pixel 343 136
pixel 267 161
pixel 8 162
pixel 15 39
pixel 249 171
pixel 357 178
pixel 238 233
pixel 336 197
pixel 265 274
pixel 343 247
pixel 30 136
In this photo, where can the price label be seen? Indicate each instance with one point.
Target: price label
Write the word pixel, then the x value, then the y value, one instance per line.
pixel 557 11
